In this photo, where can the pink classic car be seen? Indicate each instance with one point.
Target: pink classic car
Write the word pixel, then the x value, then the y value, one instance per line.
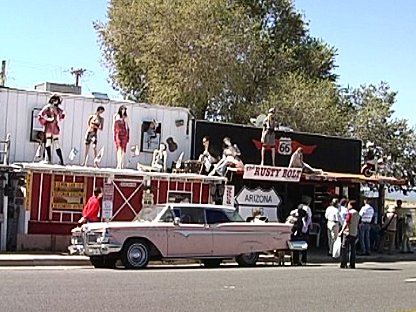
pixel 209 233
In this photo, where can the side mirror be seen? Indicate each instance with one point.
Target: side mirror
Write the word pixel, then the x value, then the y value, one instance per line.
pixel 176 220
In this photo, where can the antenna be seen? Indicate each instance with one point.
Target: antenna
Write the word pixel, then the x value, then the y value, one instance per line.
pixel 78 73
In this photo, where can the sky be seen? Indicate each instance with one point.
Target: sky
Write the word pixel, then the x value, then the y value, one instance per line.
pixel 42 40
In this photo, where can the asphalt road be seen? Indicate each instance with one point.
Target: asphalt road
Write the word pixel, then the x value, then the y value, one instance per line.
pixel 371 287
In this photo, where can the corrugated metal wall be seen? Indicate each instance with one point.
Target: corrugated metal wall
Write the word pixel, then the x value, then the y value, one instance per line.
pixel 16 118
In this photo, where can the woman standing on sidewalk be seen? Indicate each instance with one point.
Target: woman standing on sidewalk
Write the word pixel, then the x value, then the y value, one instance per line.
pixel 349 233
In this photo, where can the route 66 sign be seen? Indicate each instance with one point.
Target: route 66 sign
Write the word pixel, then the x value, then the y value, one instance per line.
pixel 285 146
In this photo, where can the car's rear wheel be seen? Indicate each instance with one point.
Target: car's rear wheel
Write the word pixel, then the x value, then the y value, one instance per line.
pixel 212 263
pixel 135 254
pixel 103 262
pixel 248 260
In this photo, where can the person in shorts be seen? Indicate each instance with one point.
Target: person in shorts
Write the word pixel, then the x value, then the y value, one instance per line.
pixel 95 123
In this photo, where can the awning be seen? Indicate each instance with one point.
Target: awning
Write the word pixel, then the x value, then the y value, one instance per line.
pixel 285 174
pixel 352 178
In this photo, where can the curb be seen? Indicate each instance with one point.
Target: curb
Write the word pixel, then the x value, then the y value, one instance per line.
pixel 44 262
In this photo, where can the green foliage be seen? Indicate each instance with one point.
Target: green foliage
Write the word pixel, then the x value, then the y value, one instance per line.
pixel 230 60
pixel 309 105
pixel 371 120
pixel 220 58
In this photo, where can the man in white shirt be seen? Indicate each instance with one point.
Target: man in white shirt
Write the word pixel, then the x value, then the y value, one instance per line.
pixel 366 213
pixel 332 217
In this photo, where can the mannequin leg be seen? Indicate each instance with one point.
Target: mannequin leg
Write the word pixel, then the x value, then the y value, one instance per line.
pixel 118 158
pixel 87 149
pixel 122 159
pixel 58 150
pixel 273 156
pixel 48 148
pixel 61 159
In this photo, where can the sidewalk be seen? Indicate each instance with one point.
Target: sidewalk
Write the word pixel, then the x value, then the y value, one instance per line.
pixel 38 259
pixel 63 259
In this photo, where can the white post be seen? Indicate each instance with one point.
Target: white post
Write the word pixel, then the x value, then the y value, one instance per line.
pixel 5 210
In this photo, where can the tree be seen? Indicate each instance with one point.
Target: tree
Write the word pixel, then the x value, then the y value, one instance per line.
pixel 220 58
pixel 371 120
pixel 309 105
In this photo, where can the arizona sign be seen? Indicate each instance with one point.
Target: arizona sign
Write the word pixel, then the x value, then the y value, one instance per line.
pixel 280 174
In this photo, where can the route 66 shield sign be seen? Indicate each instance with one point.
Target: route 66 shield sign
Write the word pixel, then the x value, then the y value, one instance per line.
pixel 285 146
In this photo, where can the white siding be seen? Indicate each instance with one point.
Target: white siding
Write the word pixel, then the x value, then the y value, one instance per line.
pixel 16 115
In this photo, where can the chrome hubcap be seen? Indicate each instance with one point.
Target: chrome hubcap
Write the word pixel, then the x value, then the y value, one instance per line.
pixel 137 255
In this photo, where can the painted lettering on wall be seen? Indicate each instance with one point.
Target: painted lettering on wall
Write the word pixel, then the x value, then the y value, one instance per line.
pixel 255 172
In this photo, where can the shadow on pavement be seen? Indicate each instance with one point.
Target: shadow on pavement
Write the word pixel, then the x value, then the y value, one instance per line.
pixel 378 269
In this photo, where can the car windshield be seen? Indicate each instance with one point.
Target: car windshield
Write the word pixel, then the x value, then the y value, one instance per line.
pixel 148 213
pixel 233 215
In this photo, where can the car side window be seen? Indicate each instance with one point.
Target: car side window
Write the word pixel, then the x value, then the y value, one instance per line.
pixel 167 216
pixel 192 215
pixel 215 216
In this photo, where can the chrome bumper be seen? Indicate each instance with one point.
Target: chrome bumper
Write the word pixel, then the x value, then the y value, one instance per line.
pixel 94 250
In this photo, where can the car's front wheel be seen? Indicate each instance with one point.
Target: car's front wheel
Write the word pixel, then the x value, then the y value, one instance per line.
pixel 135 254
pixel 248 260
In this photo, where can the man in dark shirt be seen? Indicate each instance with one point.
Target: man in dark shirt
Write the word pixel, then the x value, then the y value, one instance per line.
pixel 91 212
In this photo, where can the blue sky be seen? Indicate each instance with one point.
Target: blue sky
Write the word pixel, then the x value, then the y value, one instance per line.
pixel 42 40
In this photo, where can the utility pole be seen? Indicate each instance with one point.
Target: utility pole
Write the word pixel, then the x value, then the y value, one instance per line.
pixel 3 73
pixel 78 74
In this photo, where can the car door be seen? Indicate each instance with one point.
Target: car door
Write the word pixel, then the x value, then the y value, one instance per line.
pixel 191 237
pixel 224 238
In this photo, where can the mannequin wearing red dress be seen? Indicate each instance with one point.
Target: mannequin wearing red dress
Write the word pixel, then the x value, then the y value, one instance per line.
pixel 121 134
pixel 50 116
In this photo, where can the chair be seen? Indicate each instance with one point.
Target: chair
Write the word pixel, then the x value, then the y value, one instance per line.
pixel 316 230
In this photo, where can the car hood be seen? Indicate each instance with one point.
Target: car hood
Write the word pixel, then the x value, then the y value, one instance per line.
pixel 96 226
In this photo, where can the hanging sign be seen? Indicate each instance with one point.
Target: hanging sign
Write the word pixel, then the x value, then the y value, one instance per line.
pixel 285 146
pixel 108 198
pixel 228 198
pixel 280 174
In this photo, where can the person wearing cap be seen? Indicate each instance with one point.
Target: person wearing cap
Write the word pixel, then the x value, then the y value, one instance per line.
pixel 50 116
pixel 333 220
pixel 268 138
